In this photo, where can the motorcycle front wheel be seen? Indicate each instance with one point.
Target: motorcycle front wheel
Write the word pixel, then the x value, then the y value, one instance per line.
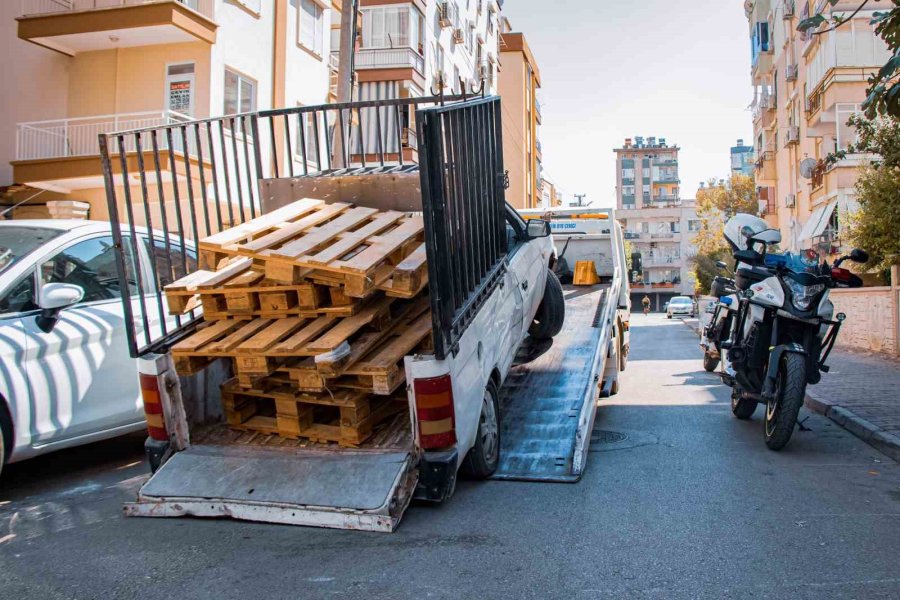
pixel 783 408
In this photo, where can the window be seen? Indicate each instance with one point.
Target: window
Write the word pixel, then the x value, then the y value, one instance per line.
pixel 627 173
pixel 170 262
pixel 628 163
pixel 392 27
pixel 91 264
pixel 694 225
pixel 628 190
pixel 308 123
pixel 21 297
pixel 180 88
pixel 311 30
pixel 240 93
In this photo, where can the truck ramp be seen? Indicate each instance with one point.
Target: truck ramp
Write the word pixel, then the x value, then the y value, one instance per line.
pixel 548 402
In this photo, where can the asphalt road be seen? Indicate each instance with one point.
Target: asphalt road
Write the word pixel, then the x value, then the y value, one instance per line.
pixel 689 504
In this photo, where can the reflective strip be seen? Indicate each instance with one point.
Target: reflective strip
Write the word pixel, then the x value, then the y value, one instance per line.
pixel 435 427
pixel 156 421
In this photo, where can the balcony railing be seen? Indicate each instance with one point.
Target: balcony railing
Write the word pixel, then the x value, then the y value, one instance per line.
pixel 43 7
pixel 389 58
pixel 78 137
pixel 667 179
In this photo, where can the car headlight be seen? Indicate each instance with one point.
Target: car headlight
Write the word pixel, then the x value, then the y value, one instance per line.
pixel 802 296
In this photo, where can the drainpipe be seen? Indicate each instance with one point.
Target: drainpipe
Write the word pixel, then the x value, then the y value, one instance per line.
pixel 279 75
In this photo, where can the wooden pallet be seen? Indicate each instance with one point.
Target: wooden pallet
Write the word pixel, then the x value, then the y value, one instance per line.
pixel 357 248
pixel 345 416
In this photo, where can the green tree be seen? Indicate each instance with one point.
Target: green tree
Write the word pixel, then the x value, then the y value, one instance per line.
pixel 716 204
pixel 883 92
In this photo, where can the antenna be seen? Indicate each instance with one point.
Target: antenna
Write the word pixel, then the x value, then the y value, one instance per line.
pixel 579 198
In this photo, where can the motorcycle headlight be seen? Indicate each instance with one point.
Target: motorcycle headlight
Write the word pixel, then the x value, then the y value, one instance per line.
pixel 802 296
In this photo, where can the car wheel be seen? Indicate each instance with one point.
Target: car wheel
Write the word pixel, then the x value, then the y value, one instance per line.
pixel 552 312
pixel 484 456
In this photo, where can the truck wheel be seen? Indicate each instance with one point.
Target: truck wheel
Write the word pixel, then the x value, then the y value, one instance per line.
pixel 484 456
pixel 552 312
pixel 783 408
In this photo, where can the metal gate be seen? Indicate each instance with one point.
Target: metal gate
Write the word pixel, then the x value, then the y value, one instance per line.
pixel 463 185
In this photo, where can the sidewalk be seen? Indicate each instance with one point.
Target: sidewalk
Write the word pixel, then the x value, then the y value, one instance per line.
pixel 861 393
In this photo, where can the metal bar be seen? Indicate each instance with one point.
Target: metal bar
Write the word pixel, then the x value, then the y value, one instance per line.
pixel 458 205
pixel 289 155
pixel 345 155
pixel 115 223
pixel 160 190
pixel 202 178
pixel 192 210
pixel 399 134
pixel 378 136
pixel 237 171
pixel 225 173
pixel 175 193
pixel 215 177
pixel 301 128
pixel 362 143
pixel 497 181
pixel 157 288
pixel 257 143
pixel 254 125
pixel 327 138
pixel 126 292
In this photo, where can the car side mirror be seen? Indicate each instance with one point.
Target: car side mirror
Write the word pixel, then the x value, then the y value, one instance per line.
pixel 537 228
pixel 53 298
pixel 859 256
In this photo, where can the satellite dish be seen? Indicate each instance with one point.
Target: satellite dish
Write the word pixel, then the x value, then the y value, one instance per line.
pixel 807 166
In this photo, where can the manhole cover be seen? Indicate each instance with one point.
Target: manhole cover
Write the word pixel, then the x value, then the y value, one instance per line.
pixel 601 436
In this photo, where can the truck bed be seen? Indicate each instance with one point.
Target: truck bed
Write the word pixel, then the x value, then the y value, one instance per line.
pixel 548 401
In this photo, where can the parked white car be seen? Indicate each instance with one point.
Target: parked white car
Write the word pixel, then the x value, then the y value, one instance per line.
pixel 66 375
pixel 680 305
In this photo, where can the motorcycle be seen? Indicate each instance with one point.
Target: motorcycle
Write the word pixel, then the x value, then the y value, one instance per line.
pixel 774 325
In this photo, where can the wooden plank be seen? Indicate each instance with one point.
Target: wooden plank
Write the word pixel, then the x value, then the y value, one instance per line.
pixel 321 235
pixel 374 314
pixel 205 335
pixel 230 342
pixel 291 230
pixel 396 348
pixel 189 282
pixel 351 240
pixel 250 228
pixel 408 274
pixel 293 344
pixel 382 247
pixel 232 270
pixel 271 335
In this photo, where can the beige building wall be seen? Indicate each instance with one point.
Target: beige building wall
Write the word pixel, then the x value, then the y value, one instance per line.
pixel 518 84
pixel 805 88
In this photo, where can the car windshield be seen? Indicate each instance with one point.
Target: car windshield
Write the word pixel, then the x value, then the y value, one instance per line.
pixel 16 242
pixel 680 301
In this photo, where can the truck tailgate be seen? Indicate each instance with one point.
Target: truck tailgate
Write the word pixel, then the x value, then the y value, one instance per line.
pixel 366 490
pixel 547 404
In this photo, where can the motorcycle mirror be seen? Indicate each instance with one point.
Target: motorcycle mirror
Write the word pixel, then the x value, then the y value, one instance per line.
pixel 721 264
pixel 858 255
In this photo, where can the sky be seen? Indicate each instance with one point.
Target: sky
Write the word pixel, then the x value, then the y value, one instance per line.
pixel 613 69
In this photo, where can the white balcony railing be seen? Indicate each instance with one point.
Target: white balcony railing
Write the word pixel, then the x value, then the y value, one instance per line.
pixel 43 7
pixel 389 58
pixel 78 137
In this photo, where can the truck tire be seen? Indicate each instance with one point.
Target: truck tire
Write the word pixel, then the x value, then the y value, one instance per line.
pixel 484 456
pixel 782 410
pixel 552 312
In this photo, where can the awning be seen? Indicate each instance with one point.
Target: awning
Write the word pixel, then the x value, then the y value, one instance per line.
pixel 817 222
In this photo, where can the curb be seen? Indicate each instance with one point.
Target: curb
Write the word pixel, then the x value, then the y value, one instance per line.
pixel 881 440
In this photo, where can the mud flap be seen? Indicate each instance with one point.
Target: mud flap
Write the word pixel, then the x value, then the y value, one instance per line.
pixel 347 490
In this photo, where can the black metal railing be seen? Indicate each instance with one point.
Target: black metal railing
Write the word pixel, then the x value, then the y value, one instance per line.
pixel 463 186
pixel 171 185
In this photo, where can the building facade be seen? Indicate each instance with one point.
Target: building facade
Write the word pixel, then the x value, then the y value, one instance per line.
pixel 742 159
pixel 520 79
pixel 92 66
pixel 551 195
pixel 806 86
pixel 658 224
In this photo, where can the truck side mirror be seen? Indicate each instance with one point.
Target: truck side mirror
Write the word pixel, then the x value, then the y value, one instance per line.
pixel 52 298
pixel 537 228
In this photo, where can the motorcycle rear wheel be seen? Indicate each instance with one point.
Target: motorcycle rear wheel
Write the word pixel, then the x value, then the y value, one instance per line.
pixel 742 408
pixel 783 408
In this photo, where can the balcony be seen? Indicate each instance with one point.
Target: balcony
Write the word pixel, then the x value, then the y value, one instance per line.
pixel 665 162
pixel 656 262
pixel 67 150
pixel 390 64
pixel 537 112
pixel 764 112
pixel 667 179
pixel 73 26
pixel 764 167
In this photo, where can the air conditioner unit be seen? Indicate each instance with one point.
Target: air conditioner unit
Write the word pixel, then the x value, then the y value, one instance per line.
pixel 484 71
pixel 445 14
pixel 458 37
pixel 787 9
pixel 492 5
pixel 793 136
pixel 790 201
pixel 791 72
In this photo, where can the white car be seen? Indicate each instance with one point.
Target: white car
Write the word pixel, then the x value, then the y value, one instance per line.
pixel 66 375
pixel 680 305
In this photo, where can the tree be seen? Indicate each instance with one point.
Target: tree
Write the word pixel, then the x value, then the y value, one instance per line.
pixel 883 93
pixel 717 203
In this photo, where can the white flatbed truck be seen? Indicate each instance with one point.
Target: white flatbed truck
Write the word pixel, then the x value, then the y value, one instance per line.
pixel 510 390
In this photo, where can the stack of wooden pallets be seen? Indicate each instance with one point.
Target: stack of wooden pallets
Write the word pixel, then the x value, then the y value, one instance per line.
pixel 316 305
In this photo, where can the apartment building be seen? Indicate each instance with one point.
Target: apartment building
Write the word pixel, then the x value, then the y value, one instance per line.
pixel 806 86
pixel 551 195
pixel 656 221
pixel 742 158
pixel 520 80
pixel 85 67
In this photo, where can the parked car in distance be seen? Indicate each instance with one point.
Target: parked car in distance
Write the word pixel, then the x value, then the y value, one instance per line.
pixel 66 375
pixel 680 305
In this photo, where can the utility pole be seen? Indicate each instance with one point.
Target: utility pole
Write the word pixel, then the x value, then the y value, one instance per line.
pixel 580 197
pixel 349 10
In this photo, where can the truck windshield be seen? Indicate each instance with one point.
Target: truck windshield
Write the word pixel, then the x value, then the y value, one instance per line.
pixel 16 242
